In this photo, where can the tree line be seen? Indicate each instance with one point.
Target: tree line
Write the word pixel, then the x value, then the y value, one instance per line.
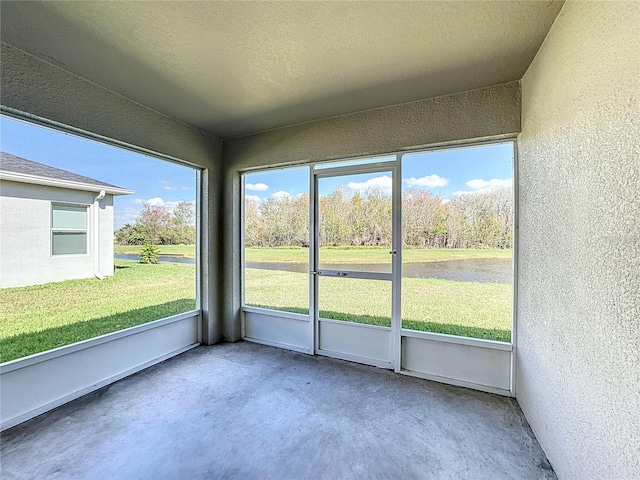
pixel 157 225
pixel 353 218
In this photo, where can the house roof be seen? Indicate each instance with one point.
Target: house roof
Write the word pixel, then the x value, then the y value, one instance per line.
pixel 20 169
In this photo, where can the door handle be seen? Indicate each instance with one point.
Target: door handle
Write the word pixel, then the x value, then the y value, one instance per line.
pixel 341 274
pixel 315 273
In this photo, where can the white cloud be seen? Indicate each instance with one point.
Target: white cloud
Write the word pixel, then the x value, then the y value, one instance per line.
pixel 253 198
pixel 256 187
pixel 155 202
pixel 281 194
pixel 186 188
pixel 158 202
pixel 429 181
pixel 486 185
pixel 384 183
pixel 479 185
pixel 167 187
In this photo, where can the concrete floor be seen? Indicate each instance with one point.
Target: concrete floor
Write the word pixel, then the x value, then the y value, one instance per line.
pixel 249 411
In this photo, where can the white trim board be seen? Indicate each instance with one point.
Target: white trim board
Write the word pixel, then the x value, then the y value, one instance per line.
pixel 92 342
pixel 68 373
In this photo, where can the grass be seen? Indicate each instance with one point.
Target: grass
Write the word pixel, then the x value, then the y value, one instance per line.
pixel 41 317
pixel 186 251
pixel 479 310
pixel 353 255
pixel 366 255
pixel 38 318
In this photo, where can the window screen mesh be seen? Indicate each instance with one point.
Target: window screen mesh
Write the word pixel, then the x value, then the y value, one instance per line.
pixel 69 224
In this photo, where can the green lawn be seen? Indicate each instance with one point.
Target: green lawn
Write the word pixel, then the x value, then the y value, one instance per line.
pixel 38 318
pixel 368 255
pixel 355 255
pixel 186 251
pixel 479 310
pixel 42 317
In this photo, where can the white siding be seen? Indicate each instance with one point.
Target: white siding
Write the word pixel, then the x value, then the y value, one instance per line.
pixel 25 236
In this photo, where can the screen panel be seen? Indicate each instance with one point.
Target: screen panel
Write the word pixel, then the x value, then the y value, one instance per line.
pixel 457 259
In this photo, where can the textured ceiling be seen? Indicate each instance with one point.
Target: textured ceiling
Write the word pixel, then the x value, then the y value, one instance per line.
pixel 232 68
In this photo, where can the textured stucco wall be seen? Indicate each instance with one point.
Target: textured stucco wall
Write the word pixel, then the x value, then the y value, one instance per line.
pixel 578 337
pixel 482 113
pixel 25 236
pixel 490 112
pixel 39 88
pixel 33 86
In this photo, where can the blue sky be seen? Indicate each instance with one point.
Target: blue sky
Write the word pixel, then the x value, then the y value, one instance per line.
pixel 443 172
pixel 154 181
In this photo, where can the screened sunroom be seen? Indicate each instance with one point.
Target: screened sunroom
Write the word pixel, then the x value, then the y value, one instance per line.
pixel 394 240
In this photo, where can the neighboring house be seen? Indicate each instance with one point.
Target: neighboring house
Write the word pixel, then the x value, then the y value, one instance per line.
pixel 54 225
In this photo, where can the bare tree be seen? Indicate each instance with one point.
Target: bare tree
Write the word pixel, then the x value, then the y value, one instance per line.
pixel 348 217
pixel 155 219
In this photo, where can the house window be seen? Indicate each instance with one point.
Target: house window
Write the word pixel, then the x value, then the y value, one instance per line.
pixel 69 229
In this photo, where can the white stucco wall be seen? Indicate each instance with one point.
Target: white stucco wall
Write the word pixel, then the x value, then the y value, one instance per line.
pixel 578 335
pixel 25 236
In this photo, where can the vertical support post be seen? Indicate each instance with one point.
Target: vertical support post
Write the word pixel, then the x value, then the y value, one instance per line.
pixel 396 266
pixel 313 261
pixel 515 247
pixel 199 207
pixel 242 254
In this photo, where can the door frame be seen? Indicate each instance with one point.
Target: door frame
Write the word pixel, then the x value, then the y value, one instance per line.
pixel 393 167
pixel 480 364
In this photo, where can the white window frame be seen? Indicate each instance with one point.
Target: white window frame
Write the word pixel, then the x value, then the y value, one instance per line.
pixel 71 230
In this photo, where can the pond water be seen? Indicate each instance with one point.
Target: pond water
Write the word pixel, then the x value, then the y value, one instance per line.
pixel 483 270
pixel 161 258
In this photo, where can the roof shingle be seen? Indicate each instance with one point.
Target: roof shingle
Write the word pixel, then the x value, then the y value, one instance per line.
pixel 14 164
